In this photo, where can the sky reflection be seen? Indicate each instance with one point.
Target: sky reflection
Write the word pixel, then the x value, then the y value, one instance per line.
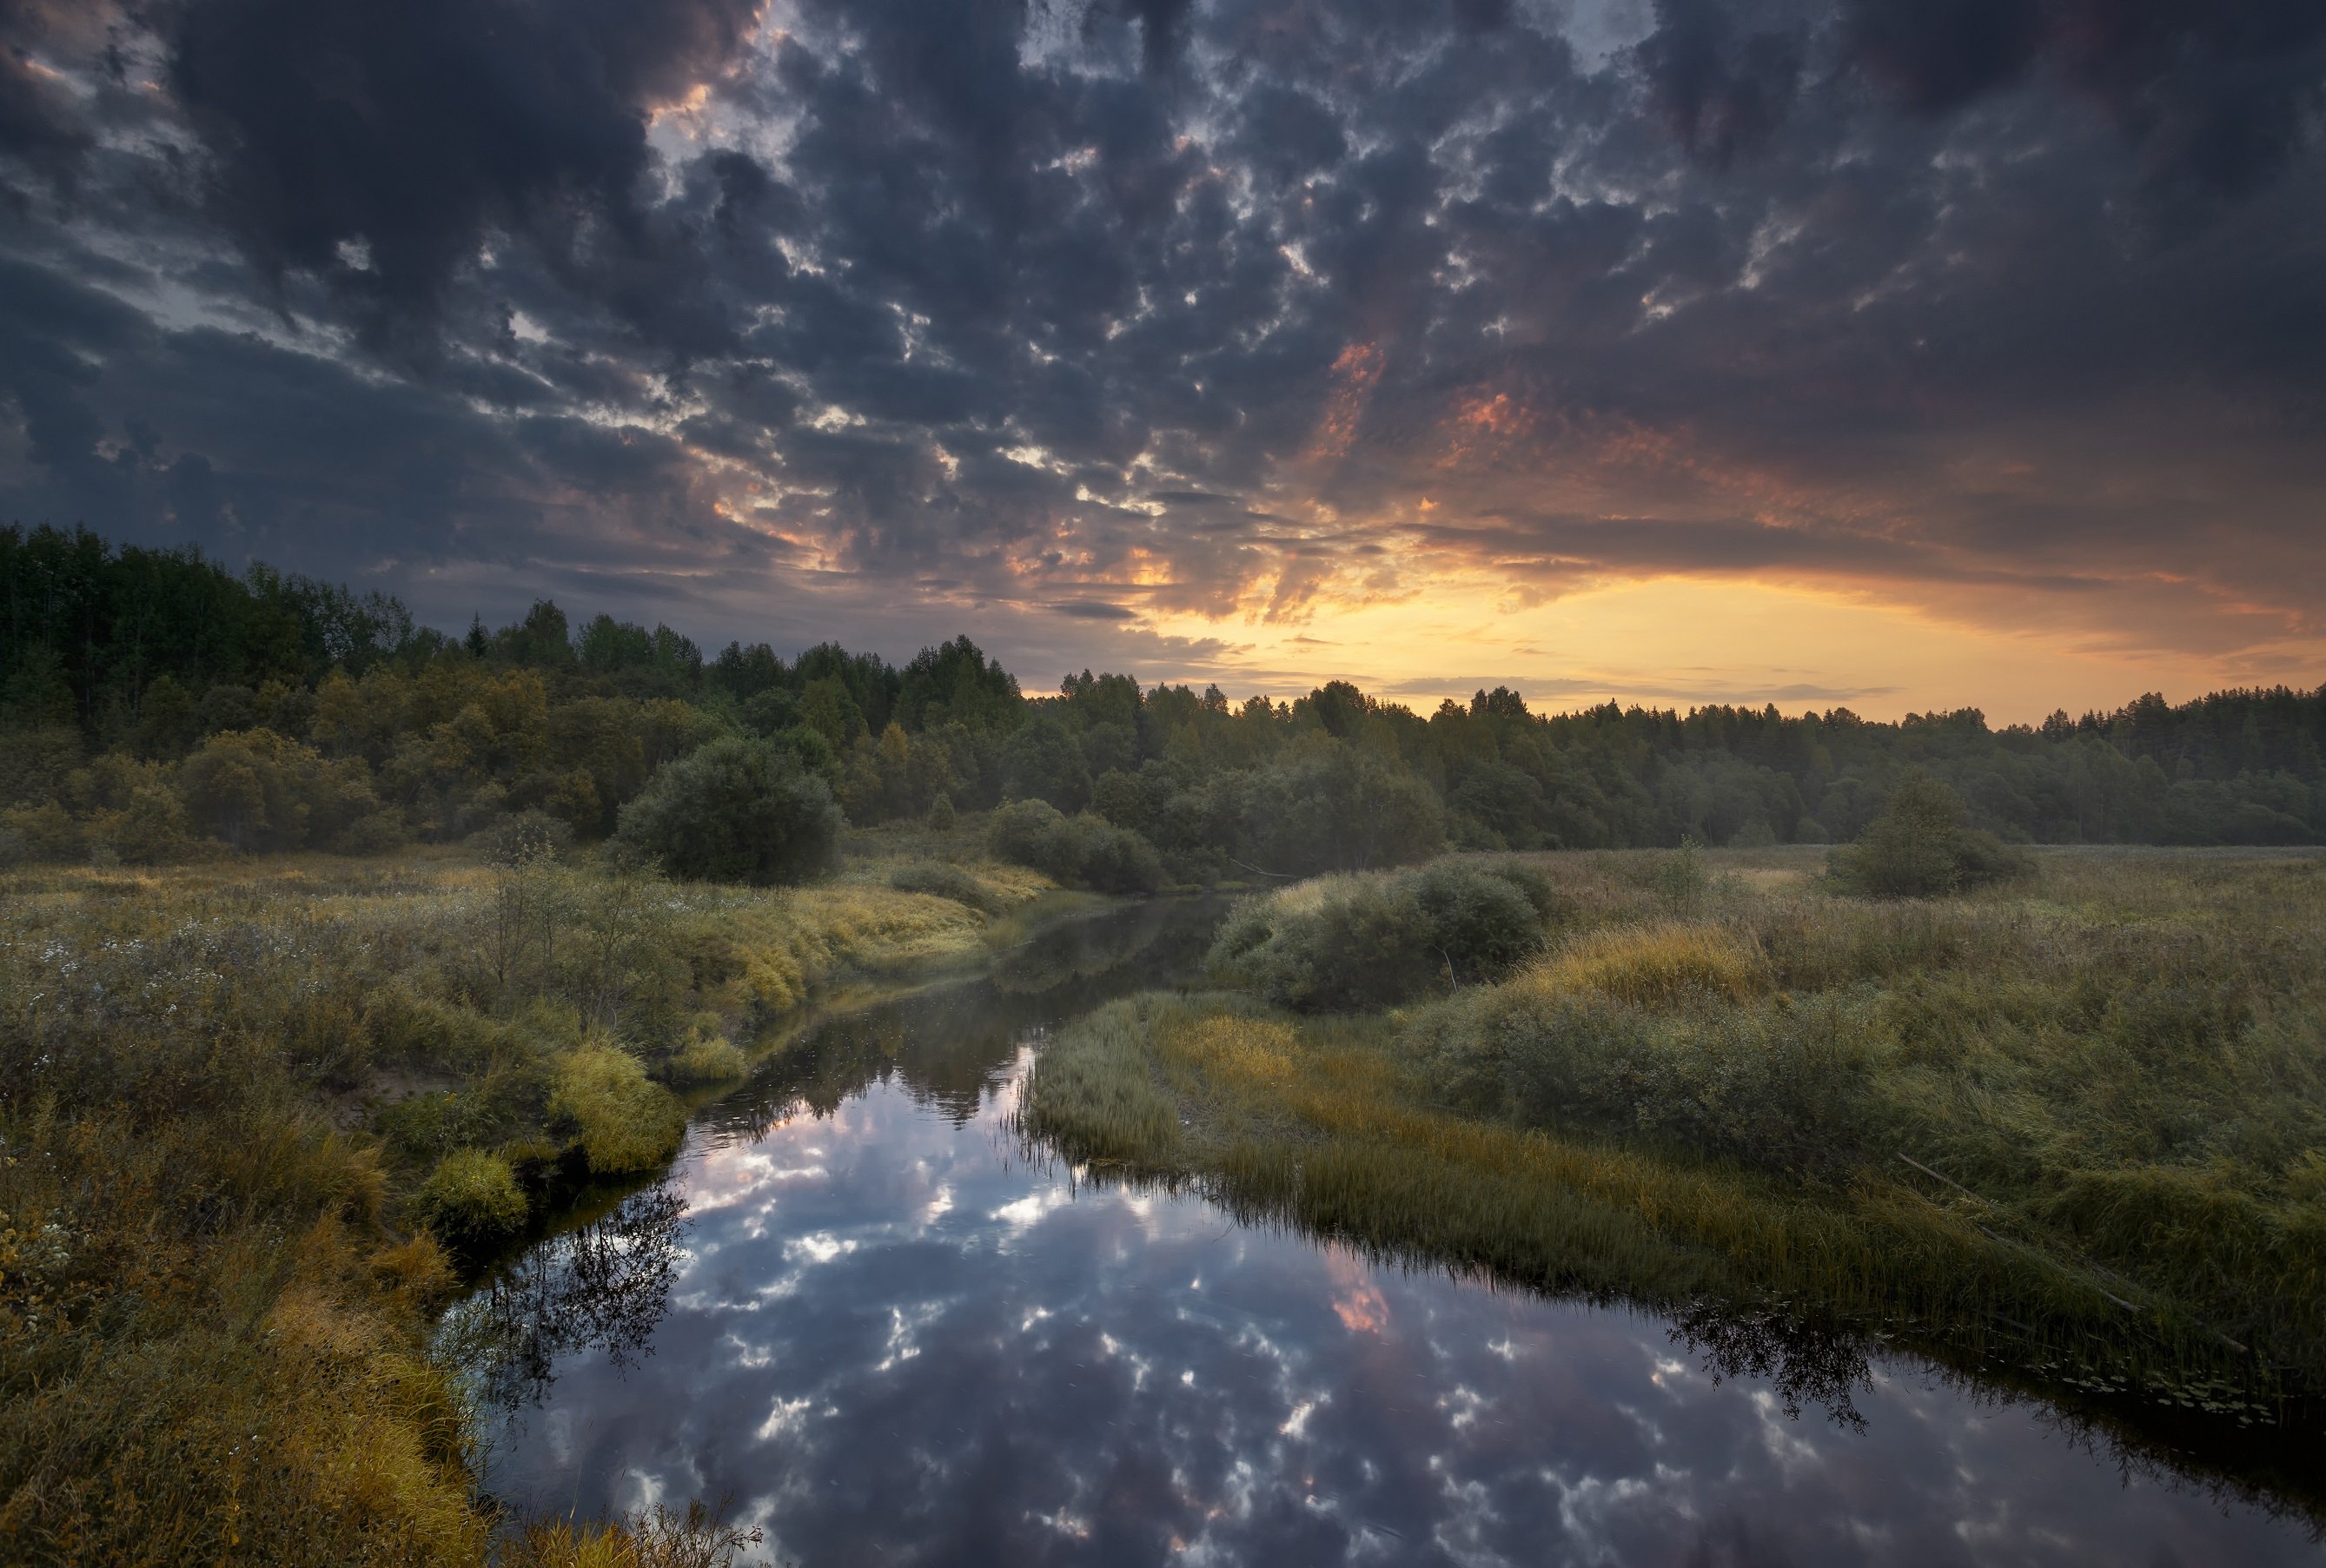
pixel 892 1338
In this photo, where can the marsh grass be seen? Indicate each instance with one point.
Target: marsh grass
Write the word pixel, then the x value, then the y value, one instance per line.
pixel 254 1115
pixel 2111 1087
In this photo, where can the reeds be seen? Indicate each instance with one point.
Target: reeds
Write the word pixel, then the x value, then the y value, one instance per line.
pixel 2108 1092
pixel 235 1098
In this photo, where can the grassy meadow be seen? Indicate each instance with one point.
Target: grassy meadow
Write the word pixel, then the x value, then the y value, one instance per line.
pixel 2070 1130
pixel 258 1115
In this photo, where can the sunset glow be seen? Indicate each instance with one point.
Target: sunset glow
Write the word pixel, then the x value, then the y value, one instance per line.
pixel 1660 355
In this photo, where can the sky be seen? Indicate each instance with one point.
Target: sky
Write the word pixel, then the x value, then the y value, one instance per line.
pixel 1895 354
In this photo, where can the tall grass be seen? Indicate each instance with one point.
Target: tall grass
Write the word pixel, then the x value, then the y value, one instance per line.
pixel 245 1110
pixel 2075 1128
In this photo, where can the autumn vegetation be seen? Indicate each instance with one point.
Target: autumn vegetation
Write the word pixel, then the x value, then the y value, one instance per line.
pixel 338 955
pixel 2064 1128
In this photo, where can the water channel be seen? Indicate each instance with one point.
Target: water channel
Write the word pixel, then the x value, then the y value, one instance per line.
pixel 862 1312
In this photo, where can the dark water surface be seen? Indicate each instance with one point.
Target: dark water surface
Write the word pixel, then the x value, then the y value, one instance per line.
pixel 862 1311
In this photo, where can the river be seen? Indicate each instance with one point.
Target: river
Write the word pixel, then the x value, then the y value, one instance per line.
pixel 859 1310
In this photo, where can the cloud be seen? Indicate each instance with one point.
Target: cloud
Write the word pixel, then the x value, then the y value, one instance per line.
pixel 933 313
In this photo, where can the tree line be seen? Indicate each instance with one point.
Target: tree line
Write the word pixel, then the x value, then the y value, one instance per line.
pixel 157 705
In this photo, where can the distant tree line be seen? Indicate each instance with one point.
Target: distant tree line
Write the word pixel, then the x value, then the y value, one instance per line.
pixel 156 705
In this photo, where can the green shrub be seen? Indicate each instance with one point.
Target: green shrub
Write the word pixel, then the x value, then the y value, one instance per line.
pixel 736 811
pixel 1785 1085
pixel 1037 834
pixel 1115 859
pixel 623 1121
pixel 1084 851
pixel 472 1202
pixel 714 1059
pixel 1340 944
pixel 1918 847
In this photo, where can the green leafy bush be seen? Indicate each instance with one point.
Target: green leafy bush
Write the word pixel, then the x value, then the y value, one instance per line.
pixel 1346 943
pixel 1918 847
pixel 714 1059
pixel 1084 851
pixel 1782 1084
pixel 736 811
pixel 472 1201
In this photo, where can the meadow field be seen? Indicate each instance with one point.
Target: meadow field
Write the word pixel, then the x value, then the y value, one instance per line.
pixel 258 1118
pixel 2068 1130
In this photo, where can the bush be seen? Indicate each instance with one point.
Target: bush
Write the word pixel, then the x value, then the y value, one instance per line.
pixel 1482 917
pixel 524 839
pixel 1037 834
pixel 1350 942
pixel 1779 1084
pixel 714 1059
pixel 1084 851
pixel 736 811
pixel 472 1202
pixel 623 1122
pixel 1919 849
pixel 257 790
pixel 1116 860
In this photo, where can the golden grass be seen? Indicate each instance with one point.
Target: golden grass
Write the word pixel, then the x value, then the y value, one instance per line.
pixel 1653 966
pixel 198 1063
pixel 2121 1074
pixel 626 1123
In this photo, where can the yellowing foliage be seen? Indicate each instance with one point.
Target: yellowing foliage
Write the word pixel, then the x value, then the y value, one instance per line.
pixel 1653 966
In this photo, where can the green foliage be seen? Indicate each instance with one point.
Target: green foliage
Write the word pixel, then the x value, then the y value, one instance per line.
pixel 623 1122
pixel 257 790
pixel 162 657
pixel 1680 877
pixel 1344 944
pixel 1918 847
pixel 1774 1083
pixel 472 1201
pixel 1040 761
pixel 2119 1086
pixel 708 1058
pixel 736 811
pixel 1080 851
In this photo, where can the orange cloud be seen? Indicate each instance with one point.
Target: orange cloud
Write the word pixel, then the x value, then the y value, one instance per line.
pixel 1354 373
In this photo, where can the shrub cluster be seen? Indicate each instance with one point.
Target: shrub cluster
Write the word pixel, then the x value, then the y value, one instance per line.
pixel 1081 850
pixel 1780 1083
pixel 472 1201
pixel 1919 847
pixel 737 811
pixel 1341 943
pixel 623 1121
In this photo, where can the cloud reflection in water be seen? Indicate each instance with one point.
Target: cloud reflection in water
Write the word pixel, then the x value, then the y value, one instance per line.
pixel 894 1340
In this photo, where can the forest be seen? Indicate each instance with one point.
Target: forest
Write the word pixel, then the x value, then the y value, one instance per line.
pixel 160 708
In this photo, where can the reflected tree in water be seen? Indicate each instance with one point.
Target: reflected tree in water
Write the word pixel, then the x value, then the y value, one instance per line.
pixel 601 1287
pixel 1804 1362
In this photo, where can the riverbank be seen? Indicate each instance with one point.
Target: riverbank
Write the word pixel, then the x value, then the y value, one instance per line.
pixel 2069 1133
pixel 244 1106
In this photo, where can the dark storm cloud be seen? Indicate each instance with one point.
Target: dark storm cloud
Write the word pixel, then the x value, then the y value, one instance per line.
pixel 411 131
pixel 1022 304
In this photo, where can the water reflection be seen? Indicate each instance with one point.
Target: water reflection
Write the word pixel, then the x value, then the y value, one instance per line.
pixel 893 1338
pixel 601 1287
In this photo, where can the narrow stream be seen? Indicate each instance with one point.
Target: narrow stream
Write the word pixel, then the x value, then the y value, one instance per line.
pixel 859 1310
